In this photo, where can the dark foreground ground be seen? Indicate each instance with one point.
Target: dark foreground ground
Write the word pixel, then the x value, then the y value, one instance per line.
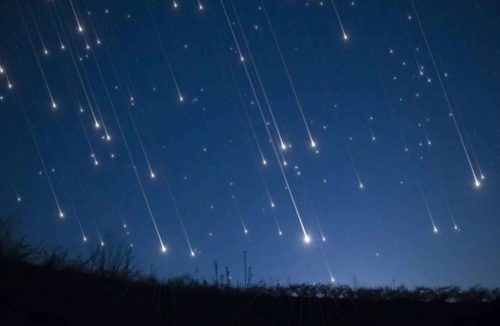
pixel 41 295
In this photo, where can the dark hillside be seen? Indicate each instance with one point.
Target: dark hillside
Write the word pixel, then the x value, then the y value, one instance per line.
pixel 41 294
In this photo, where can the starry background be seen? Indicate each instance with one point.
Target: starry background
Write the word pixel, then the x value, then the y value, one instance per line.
pixel 351 90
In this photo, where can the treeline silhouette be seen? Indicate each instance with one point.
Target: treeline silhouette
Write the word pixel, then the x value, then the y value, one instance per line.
pixel 39 287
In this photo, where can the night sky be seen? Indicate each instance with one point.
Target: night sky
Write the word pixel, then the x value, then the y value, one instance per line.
pixel 388 112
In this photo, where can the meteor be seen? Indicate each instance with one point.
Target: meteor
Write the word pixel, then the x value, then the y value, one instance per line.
pixel 312 142
pixel 42 161
pixel 259 80
pixel 80 27
pixel 477 183
pixel 164 52
pixel 238 210
pixel 345 37
pixel 257 101
pixel 200 6
pixel 36 56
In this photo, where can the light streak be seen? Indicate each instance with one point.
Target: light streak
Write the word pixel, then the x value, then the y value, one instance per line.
pixel 42 161
pixel 52 101
pixel 312 142
pixel 164 52
pixel 477 182
pixel 306 237
pixel 345 37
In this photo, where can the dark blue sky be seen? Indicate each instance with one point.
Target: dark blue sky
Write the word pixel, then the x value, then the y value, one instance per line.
pixel 380 83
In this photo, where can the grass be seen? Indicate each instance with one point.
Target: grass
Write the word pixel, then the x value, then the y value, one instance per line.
pixel 41 287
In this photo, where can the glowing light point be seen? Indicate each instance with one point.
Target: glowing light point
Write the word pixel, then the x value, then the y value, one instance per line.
pixel 175 5
pixel 374 138
pixel 307 239
pixel 19 199
pixel 242 58
pixel 54 105
pixel 96 162
pixel 361 186
pixel 98 42
pixel 85 239
pixel 200 7
pixel 273 205
pixel 10 86
pixel 102 243
pixel 264 162
pixel 245 231
pixel 152 175
pixel 323 239
pixel 280 233
pixel 97 125
pixel 332 279
pixel 435 229
pixel 455 227
pixel 192 253
pixel 63 47
pixel 477 184
pixel 483 177
pixel 108 137
pixel 163 249
pixel 80 29
pixel 181 98
pixel 45 51
pixel 345 36
pixel 61 214
pixel 313 144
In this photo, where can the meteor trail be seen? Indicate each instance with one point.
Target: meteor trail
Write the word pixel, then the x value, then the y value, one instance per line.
pixel 79 26
pixel 164 52
pixel 306 238
pixel 131 159
pixel 42 161
pixel 452 215
pixel 477 182
pixel 237 207
pixel 53 104
pixel 345 37
pixel 259 80
pixel 312 142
